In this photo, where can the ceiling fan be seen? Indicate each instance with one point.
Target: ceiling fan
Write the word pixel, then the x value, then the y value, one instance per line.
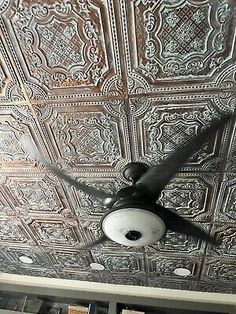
pixel 133 217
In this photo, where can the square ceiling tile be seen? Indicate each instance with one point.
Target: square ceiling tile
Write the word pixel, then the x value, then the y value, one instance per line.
pixel 55 232
pixel 86 136
pixel 226 233
pixel 17 123
pixel 159 128
pixel 36 194
pixel 66 49
pixel 192 195
pixel 14 231
pixel 177 43
pixel 39 257
pixel 163 266
pixel 219 269
pixel 178 243
pixel 120 262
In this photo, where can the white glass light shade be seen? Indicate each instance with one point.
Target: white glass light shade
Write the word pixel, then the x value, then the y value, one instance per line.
pixel 133 227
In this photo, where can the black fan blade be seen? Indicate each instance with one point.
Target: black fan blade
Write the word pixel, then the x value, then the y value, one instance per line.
pixel 178 224
pixel 79 186
pixel 32 149
pixel 101 240
pixel 157 177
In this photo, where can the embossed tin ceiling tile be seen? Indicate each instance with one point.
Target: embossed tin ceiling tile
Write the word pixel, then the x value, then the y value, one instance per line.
pixel 36 194
pixel 216 287
pixel 10 89
pixel 87 205
pixel 92 276
pixel 36 254
pixel 178 243
pixel 38 272
pixel 192 195
pixel 71 260
pixel 170 284
pixel 13 231
pixel 158 128
pixel 218 269
pixel 177 41
pixel 226 201
pixel 66 49
pixel 226 233
pixel 9 269
pixel 87 136
pixel 17 122
pixel 121 279
pixel 164 266
pixel 59 233
pixel 128 262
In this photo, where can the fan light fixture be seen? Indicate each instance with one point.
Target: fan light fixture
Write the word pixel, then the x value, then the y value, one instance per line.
pixel 25 259
pixel 133 226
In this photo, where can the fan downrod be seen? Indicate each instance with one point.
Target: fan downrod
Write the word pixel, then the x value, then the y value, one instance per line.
pixel 134 170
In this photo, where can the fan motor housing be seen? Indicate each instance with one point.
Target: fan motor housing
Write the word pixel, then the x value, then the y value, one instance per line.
pixel 133 225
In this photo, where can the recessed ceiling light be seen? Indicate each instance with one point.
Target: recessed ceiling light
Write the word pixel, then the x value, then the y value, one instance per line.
pixel 97 266
pixel 184 272
pixel 26 259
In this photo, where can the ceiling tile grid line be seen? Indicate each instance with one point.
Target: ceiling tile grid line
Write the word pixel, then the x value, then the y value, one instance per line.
pixel 95 85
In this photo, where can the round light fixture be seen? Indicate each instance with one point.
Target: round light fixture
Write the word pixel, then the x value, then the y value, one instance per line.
pixel 133 226
pixel 25 259
pixel 97 266
pixel 184 272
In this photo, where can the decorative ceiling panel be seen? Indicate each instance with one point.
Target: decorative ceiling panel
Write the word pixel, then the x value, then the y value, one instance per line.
pixel 95 85
pixel 187 42
pixel 65 49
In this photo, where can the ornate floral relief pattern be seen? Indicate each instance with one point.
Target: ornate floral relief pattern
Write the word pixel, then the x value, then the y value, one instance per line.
pixel 72 259
pixel 179 39
pixel 170 284
pixel 227 235
pixel 16 125
pixel 226 98
pixel 83 275
pixel 121 279
pixel 219 270
pixel 54 233
pixel 12 232
pixel 67 44
pixel 86 136
pixel 189 196
pixel 163 129
pixel 35 195
pixel 131 263
pixel 38 272
pixel 38 256
pixel 226 202
pixel 165 266
pixel 178 243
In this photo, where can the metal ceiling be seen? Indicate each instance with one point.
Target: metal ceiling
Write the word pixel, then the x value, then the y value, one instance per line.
pixel 97 84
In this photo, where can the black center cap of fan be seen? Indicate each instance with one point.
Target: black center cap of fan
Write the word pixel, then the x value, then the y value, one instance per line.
pixel 133 235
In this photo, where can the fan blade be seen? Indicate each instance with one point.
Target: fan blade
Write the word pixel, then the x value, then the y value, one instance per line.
pixel 101 240
pixel 178 224
pixel 79 186
pixel 157 177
